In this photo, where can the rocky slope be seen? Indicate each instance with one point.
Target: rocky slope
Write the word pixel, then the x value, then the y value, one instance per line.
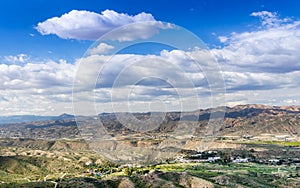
pixel 238 120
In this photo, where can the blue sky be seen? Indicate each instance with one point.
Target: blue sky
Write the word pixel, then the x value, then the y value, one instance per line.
pixel 18 19
pixel 255 43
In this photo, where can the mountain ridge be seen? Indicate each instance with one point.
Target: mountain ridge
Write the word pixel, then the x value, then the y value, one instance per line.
pixel 238 120
pixel 31 118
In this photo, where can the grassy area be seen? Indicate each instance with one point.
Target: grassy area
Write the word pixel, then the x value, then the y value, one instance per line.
pixel 247 174
pixel 229 175
pixel 281 143
pixel 22 170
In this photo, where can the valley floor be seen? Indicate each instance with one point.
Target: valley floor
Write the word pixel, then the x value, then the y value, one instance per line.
pixel 69 163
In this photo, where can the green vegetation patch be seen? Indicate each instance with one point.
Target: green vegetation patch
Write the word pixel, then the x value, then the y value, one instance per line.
pixel 281 143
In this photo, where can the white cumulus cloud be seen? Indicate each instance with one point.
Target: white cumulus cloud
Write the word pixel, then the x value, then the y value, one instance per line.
pixel 264 61
pixel 268 49
pixel 20 58
pixel 223 39
pixel 102 48
pixel 86 25
pixel 269 19
pixel 258 66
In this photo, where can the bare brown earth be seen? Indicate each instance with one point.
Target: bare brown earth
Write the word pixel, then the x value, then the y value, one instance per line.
pixel 34 150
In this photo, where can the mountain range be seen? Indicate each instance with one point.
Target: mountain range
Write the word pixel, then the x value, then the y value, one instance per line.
pixel 238 120
pixel 30 118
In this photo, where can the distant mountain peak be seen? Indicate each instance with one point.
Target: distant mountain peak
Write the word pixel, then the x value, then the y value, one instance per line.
pixel 65 115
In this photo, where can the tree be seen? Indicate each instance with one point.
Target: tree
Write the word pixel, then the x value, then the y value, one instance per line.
pixel 128 171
